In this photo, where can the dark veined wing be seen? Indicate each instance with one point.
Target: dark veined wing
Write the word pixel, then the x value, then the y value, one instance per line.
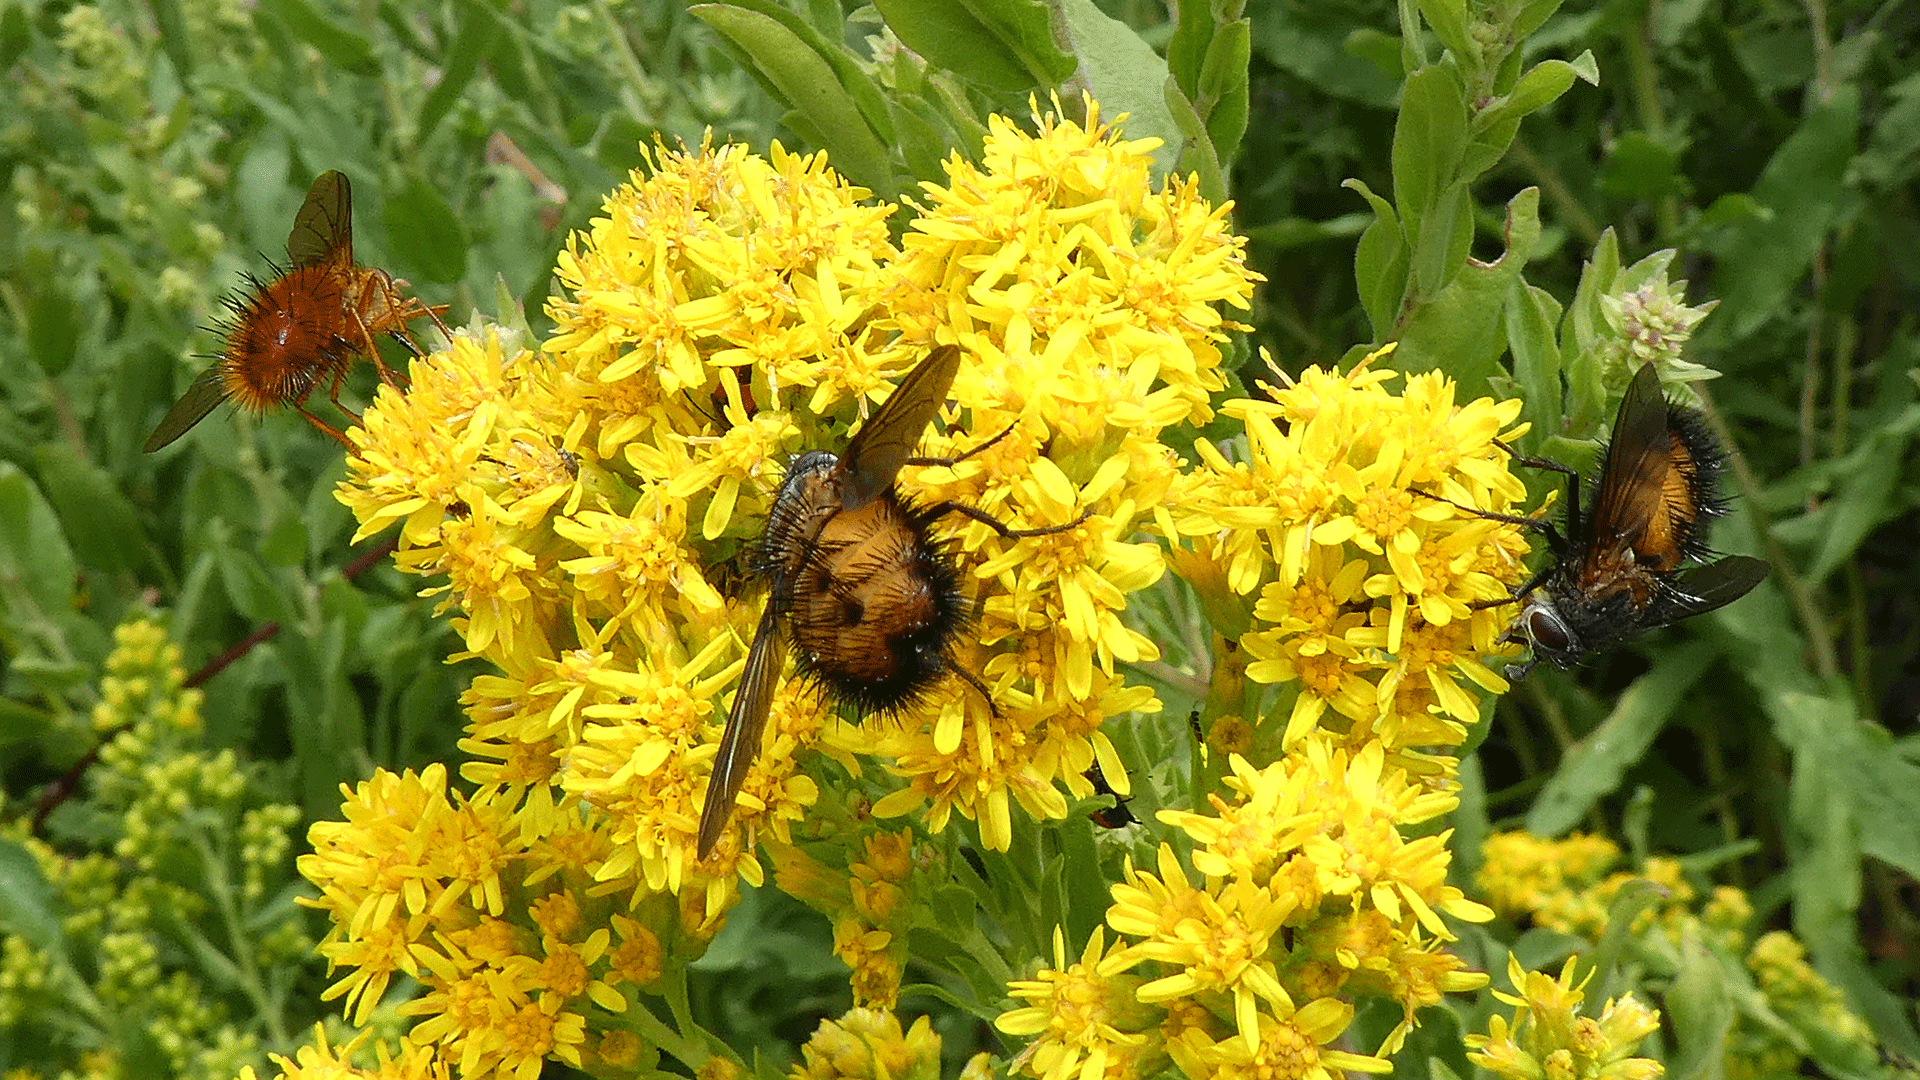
pixel 323 231
pixel 745 725
pixel 1633 484
pixel 888 438
pixel 206 392
pixel 1696 592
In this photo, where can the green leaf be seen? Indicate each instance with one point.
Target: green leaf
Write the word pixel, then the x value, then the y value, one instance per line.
pixel 1340 58
pixel 253 592
pixel 344 48
pixel 1539 87
pixel 1193 31
pixel 808 83
pixel 100 522
pixel 1641 167
pixel 1805 186
pixel 15 34
pixel 27 908
pixel 1223 86
pixel 1444 240
pixel 34 555
pixel 471 44
pixel 1865 499
pixel 1531 319
pixel 1459 331
pixel 1428 140
pixel 425 234
pixel 1701 1007
pixel 1125 75
pixel 1533 14
pixel 174 37
pixel 1294 232
pixel 1450 23
pixel 1199 156
pixel 1608 955
pixel 1004 45
pixel 1413 46
pixel 1380 264
pixel 53 326
pixel 1593 766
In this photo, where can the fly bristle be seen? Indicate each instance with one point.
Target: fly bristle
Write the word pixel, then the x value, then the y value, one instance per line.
pixel 287 337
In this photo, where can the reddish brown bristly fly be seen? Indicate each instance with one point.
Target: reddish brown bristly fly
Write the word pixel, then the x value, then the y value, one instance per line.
pixel 303 328
pixel 1618 571
pixel 866 596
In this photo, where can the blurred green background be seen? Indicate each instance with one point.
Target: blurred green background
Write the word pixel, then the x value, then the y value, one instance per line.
pixel 153 153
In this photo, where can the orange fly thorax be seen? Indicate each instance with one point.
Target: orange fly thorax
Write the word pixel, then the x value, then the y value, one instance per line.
pixel 285 338
pixel 305 327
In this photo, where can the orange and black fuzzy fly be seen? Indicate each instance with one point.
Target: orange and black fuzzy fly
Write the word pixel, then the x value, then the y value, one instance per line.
pixel 1618 570
pixel 865 594
pixel 303 328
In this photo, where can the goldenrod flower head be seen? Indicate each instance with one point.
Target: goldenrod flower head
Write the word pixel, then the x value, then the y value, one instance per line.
pixel 1086 1020
pixel 1779 964
pixel 867 1044
pixel 1100 292
pixel 1312 844
pixel 1216 942
pixel 582 508
pixel 1547 1037
pixel 318 1060
pixel 1292 1044
pixel 1344 518
pixel 1551 881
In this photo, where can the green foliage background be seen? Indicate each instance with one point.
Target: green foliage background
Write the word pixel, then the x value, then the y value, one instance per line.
pixel 151 152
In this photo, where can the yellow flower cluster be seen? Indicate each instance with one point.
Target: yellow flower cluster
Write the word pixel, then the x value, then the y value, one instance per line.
pixel 1340 542
pixel 870 900
pixel 511 934
pixel 585 510
pixel 1549 1038
pixel 1309 895
pixel 319 1060
pixel 1563 884
pixel 867 1044
pixel 1808 1003
pixel 587 507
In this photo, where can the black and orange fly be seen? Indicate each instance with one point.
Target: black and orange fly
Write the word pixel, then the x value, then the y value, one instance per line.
pixel 867 597
pixel 1618 571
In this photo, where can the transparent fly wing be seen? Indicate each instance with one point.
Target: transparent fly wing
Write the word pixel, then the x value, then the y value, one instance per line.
pixel 200 399
pixel 323 231
pixel 745 726
pixel 888 438
pixel 1697 592
pixel 1634 480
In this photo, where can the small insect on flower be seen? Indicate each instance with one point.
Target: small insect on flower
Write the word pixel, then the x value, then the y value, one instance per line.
pixel 304 327
pixel 1617 572
pixel 869 598
pixel 1117 816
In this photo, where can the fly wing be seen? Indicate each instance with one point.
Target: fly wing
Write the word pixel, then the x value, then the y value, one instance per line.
pixel 323 231
pixel 745 725
pixel 206 392
pixel 1633 483
pixel 1697 592
pixel 888 438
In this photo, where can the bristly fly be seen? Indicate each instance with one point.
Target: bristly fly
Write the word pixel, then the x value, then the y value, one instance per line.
pixel 303 328
pixel 1617 572
pixel 866 596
